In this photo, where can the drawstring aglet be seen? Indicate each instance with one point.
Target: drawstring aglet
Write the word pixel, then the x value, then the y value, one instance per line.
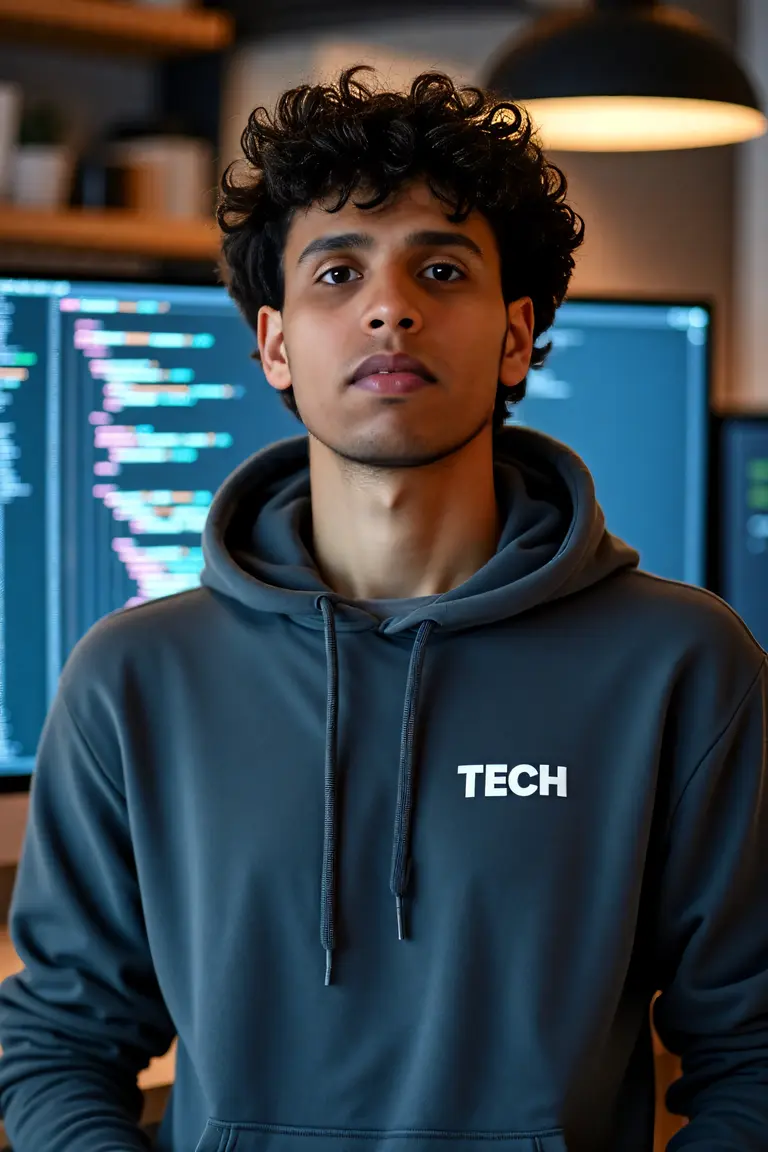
pixel 328 966
pixel 400 923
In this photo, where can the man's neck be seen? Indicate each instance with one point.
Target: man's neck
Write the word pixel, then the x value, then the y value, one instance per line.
pixel 388 534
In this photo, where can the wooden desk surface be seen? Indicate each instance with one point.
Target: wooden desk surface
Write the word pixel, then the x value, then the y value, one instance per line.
pixel 160 1072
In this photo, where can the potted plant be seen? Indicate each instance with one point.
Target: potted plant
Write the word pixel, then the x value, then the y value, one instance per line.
pixel 44 161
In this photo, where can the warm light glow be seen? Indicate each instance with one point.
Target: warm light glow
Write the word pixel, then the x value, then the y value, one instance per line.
pixel 641 123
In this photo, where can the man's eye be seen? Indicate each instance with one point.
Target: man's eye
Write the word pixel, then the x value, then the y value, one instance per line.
pixel 442 269
pixel 339 271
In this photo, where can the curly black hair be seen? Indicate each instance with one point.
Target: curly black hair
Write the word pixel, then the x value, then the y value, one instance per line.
pixel 473 150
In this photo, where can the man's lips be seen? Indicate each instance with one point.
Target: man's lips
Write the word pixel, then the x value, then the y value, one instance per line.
pixel 398 364
pixel 391 374
pixel 392 383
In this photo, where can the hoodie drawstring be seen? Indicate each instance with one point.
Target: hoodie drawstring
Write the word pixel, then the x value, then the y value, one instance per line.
pixel 401 849
pixel 330 835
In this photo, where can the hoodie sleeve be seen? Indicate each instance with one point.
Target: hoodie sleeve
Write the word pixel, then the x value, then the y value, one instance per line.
pixel 86 1014
pixel 713 939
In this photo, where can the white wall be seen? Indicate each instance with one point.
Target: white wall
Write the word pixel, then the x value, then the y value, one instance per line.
pixel 456 44
pixel 399 49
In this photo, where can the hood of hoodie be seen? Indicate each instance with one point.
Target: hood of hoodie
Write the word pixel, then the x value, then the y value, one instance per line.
pixel 554 542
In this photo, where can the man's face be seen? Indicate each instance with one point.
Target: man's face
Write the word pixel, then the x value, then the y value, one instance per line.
pixel 396 279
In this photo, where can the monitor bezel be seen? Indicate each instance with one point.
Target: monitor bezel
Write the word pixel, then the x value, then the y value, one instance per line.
pixel 20 784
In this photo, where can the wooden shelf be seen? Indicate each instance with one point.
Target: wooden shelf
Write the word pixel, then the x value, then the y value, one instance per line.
pixel 117 26
pixel 112 230
pixel 159 1074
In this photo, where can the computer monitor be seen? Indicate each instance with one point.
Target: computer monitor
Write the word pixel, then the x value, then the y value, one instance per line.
pixel 744 520
pixel 626 385
pixel 123 406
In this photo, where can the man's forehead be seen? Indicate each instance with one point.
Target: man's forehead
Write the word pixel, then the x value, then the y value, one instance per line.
pixel 410 209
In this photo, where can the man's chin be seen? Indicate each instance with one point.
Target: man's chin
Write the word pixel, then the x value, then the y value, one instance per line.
pixel 395 452
pixel 390 461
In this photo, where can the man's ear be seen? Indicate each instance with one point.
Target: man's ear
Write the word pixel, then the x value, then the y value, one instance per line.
pixel 518 347
pixel 274 357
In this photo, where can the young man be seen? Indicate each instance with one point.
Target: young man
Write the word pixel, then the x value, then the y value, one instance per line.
pixel 401 820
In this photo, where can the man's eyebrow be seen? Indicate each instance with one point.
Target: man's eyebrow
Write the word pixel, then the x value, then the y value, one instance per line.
pixel 342 241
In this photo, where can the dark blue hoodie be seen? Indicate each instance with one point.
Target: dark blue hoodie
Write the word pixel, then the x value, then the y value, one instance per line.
pixel 402 883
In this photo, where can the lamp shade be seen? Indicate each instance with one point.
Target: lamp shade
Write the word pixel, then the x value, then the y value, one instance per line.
pixel 629 75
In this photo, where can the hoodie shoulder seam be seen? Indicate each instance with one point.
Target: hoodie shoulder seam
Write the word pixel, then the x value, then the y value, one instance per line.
pixel 720 736
pixel 706 592
pixel 94 757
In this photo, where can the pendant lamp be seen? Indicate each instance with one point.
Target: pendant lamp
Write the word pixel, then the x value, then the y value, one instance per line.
pixel 626 76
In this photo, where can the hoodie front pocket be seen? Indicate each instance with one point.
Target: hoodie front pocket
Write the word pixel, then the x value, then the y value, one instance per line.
pixel 222 1137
